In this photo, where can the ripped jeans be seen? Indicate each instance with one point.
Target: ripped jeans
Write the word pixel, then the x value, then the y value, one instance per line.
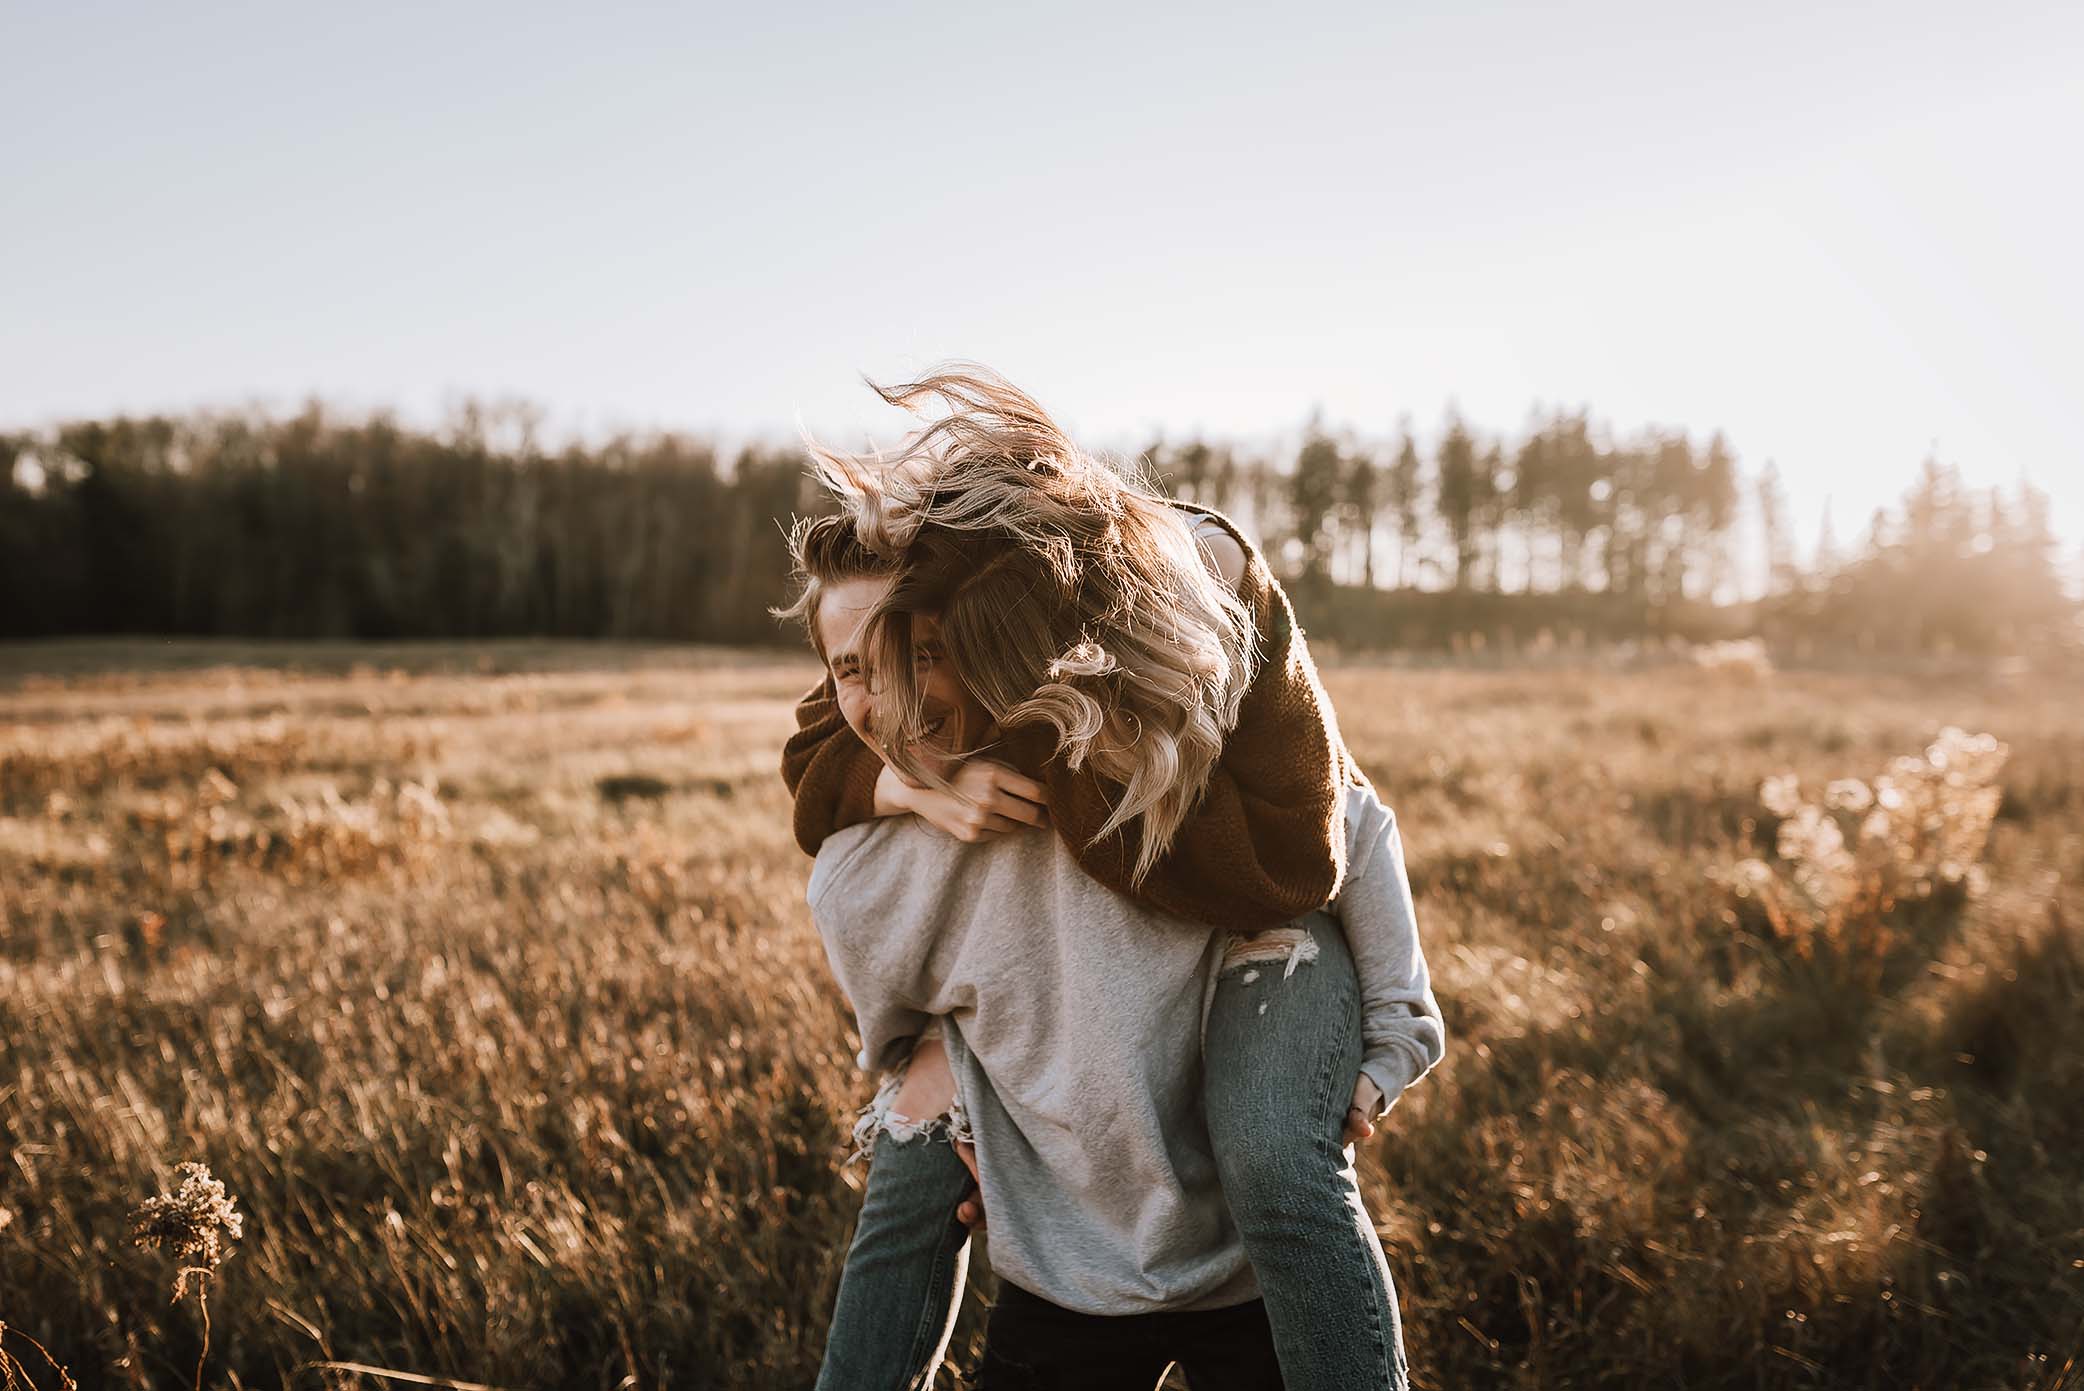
pixel 1282 1050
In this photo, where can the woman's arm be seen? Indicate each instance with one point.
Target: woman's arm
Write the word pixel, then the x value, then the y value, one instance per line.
pixel 839 781
pixel 829 771
pixel 1402 1034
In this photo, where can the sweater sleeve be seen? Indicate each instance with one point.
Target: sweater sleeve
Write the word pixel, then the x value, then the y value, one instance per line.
pixel 1268 841
pixel 829 771
pixel 885 991
pixel 1402 1033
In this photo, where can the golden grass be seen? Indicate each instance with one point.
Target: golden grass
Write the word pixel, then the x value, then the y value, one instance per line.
pixel 481 977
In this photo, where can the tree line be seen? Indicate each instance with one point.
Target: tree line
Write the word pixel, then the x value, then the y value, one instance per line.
pixel 324 526
pixel 1562 509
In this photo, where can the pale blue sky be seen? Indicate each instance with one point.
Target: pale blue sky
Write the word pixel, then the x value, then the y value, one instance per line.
pixel 1843 234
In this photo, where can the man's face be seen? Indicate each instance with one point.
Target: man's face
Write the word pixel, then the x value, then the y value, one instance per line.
pixel 955 722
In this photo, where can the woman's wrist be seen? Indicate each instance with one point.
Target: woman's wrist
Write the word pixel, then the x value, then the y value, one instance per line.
pixel 893 793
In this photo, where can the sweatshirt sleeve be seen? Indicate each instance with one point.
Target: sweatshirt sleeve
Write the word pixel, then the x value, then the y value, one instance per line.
pixel 829 771
pixel 1402 1034
pixel 883 989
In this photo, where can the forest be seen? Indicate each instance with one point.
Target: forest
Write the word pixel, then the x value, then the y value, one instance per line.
pixel 320 525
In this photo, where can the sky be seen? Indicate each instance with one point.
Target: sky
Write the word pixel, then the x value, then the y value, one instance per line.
pixel 1845 235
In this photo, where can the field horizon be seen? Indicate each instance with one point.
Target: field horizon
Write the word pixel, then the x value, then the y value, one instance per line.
pixel 480 974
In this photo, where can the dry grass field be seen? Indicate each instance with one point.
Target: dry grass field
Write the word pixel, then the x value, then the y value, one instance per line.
pixel 482 978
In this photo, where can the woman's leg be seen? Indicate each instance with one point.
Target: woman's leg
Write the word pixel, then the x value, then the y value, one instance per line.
pixel 1283 1051
pixel 898 1291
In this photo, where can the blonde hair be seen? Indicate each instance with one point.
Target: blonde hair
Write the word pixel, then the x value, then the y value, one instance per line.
pixel 824 551
pixel 1068 591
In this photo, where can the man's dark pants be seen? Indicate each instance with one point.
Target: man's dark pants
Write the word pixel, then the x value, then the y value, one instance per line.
pixel 1034 1345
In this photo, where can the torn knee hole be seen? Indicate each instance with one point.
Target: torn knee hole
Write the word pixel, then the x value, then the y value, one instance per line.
pixel 881 1117
pixel 1250 953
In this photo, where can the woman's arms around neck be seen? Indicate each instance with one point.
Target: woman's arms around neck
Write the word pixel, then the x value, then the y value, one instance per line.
pixel 1267 842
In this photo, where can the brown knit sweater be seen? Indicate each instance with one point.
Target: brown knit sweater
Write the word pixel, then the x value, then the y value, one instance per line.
pixel 1265 845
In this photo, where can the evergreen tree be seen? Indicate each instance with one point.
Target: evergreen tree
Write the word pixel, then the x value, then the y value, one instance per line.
pixel 1459 496
pixel 1579 481
pixel 1315 490
pixel 1363 504
pixel 1406 497
pixel 1194 465
pixel 1674 516
pixel 1533 499
pixel 1718 491
pixel 1492 496
pixel 1781 575
pixel 1826 560
pixel 1224 481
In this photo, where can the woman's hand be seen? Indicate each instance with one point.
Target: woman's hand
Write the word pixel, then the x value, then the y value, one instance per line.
pixel 988 799
pixel 1360 1116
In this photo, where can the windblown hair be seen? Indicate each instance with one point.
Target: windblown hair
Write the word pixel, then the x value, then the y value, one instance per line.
pixel 1068 591
pixel 824 551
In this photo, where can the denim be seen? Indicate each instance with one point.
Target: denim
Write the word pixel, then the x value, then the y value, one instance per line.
pixel 904 1270
pixel 1034 1345
pixel 1283 1048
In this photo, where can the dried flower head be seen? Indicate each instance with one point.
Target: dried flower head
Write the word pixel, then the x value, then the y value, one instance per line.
pixel 1847 861
pixel 1781 795
pixel 1848 794
pixel 196 1224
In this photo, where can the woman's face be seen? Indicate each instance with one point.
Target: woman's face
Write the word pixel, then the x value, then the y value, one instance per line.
pixel 955 722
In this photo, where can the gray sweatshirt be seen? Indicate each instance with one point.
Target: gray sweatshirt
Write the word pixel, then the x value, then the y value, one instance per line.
pixel 1074 1029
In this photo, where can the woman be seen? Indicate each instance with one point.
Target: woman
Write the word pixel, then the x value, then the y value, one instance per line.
pixel 1077 611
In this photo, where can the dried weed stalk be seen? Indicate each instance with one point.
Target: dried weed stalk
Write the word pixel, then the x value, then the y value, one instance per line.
pixel 15 1377
pixel 196 1224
